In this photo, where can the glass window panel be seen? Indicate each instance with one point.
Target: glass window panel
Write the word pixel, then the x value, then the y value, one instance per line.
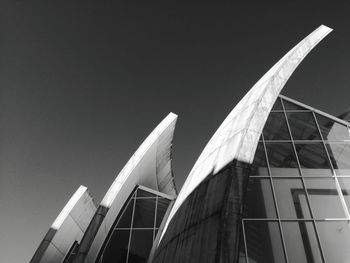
pixel 162 206
pixel 144 213
pixel 313 159
pixel 259 199
pixel 301 243
pixel 259 166
pixel 339 154
pixel 125 218
pixel 344 183
pixel 143 193
pixel 291 106
pixel 276 127
pixel 335 240
pixel 282 159
pixel 303 126
pixel 140 246
pixel 277 105
pixel 332 130
pixel 324 199
pixel 291 198
pixel 264 243
pixel 117 247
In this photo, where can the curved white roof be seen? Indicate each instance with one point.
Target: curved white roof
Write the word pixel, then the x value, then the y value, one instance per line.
pixel 149 166
pixel 69 226
pixel 238 135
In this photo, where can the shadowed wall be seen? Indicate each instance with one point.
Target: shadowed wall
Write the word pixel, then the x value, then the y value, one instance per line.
pixel 206 227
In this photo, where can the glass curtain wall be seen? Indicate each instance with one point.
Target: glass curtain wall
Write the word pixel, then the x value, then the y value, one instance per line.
pixel 131 238
pixel 298 197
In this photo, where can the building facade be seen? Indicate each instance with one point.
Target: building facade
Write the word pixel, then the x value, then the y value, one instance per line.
pixel 272 185
pixel 297 199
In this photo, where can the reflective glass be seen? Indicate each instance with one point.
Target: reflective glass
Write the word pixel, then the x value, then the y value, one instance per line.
pixel 162 206
pixel 332 130
pixel 282 159
pixel 324 198
pixel 339 154
pixel 117 249
pixel 276 127
pixel 259 199
pixel 291 198
pixel 140 246
pixel 125 219
pixel 264 243
pixel 313 159
pixel 144 213
pixel 303 126
pixel 291 106
pixel 301 243
pixel 335 240
pixel 278 105
pixel 259 166
pixel 141 210
pixel 344 183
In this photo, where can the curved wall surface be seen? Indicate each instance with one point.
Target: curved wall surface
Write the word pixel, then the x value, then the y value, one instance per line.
pixel 150 166
pixel 238 135
pixel 68 228
pixel 228 154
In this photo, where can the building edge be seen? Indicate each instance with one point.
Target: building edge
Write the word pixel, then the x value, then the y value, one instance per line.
pixel 149 166
pixel 238 135
pixel 67 229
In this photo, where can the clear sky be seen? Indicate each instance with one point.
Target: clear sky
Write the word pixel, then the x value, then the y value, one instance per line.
pixel 82 83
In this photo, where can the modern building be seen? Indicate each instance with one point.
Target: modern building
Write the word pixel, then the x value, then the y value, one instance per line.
pixel 130 214
pixel 272 185
pixel 66 232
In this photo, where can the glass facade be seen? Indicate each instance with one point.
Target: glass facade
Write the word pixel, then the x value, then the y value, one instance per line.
pixel 298 196
pixel 134 230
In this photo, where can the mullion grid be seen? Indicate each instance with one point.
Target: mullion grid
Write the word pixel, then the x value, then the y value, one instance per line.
pixel 312 219
pixel 131 228
pixel 275 201
pixel 278 219
pixel 304 185
pixel 116 223
pixel 266 219
pixel 337 185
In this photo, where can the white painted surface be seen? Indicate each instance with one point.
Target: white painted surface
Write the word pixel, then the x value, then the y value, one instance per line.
pixel 68 207
pixel 149 166
pixel 142 166
pixel 68 227
pixel 238 135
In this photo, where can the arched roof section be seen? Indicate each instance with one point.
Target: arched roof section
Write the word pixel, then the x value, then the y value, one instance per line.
pixel 149 166
pixel 238 135
pixel 69 226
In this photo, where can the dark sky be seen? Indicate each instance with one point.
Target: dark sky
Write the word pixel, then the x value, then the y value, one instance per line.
pixel 83 83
